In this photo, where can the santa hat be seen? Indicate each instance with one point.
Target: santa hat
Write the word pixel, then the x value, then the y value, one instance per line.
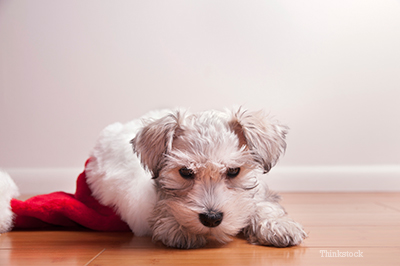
pixel 8 190
pixel 55 210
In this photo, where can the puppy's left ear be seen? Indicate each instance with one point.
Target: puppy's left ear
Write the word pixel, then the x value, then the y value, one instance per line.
pixel 154 140
pixel 264 137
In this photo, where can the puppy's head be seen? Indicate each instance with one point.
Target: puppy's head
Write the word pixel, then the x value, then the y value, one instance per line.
pixel 206 167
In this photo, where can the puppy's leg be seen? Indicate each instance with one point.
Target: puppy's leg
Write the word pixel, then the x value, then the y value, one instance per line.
pixel 271 226
pixel 167 230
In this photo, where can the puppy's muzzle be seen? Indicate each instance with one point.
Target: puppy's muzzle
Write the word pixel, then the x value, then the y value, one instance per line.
pixel 211 219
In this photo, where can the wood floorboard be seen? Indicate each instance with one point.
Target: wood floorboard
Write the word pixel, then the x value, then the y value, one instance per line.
pixel 340 224
pixel 52 256
pixel 268 256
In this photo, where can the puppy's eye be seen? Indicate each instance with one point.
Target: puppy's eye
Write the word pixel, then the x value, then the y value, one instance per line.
pixel 186 173
pixel 232 172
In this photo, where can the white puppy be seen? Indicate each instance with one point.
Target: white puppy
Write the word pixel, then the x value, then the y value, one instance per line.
pixel 194 176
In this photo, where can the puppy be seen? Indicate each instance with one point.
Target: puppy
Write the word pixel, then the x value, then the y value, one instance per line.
pixel 185 178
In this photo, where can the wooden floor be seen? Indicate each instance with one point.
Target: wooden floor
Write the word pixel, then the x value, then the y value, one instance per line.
pixel 361 228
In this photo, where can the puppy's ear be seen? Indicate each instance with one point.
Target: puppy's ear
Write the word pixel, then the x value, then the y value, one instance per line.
pixel 154 140
pixel 263 137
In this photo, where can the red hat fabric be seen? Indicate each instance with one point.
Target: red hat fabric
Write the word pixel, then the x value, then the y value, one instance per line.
pixel 72 211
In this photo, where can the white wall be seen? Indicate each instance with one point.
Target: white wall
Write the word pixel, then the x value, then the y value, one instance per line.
pixel 328 69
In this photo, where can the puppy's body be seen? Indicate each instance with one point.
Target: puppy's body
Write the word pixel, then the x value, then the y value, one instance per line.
pixel 193 176
pixel 117 178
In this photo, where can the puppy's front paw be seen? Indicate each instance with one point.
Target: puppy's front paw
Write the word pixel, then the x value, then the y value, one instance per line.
pixel 174 235
pixel 183 240
pixel 282 232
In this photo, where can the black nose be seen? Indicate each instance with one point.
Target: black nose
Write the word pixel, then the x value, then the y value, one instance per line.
pixel 211 219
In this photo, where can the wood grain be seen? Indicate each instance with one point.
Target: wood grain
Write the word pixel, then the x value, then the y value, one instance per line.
pixel 339 223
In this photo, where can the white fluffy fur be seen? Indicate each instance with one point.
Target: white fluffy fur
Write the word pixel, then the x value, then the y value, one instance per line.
pixel 8 190
pixel 146 189
pixel 116 177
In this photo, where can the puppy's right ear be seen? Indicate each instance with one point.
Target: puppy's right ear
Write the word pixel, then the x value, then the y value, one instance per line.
pixel 154 140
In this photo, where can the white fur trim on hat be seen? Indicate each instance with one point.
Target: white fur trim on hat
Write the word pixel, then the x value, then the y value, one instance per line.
pixel 8 190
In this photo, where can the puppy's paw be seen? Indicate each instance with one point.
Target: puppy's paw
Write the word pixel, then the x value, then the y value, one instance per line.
pixel 282 232
pixel 174 235
pixel 182 240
